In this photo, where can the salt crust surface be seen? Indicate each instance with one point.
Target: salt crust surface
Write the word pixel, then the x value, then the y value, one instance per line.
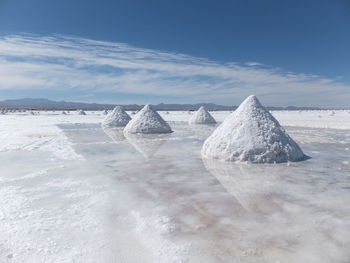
pixel 41 132
pixel 54 212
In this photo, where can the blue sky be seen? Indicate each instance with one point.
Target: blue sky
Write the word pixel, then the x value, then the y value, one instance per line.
pixel 286 52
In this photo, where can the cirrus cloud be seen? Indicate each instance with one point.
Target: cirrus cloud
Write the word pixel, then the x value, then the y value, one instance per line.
pixel 72 64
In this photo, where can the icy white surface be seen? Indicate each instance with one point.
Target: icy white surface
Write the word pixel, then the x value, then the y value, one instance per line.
pixel 72 193
pixel 340 119
pixel 251 134
pixel 34 132
pixel 311 119
pixel 147 121
pixel 116 118
pixel 202 116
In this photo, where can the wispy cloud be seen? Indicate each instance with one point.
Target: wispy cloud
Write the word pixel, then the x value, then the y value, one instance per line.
pixel 76 65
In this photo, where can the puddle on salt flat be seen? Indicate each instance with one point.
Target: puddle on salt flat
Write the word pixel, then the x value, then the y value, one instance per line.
pixel 172 206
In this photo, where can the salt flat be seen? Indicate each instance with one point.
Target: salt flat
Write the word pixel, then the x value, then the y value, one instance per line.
pixel 73 192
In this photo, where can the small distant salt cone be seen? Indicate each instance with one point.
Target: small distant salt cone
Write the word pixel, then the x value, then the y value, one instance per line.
pixel 81 112
pixel 251 134
pixel 105 112
pixel 147 121
pixel 202 116
pixel 116 118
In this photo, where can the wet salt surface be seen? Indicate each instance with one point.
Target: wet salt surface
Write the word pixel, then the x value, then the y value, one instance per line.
pixel 151 198
pixel 184 209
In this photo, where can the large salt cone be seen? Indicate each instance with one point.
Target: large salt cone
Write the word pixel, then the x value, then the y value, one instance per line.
pixel 202 116
pixel 116 118
pixel 146 144
pixel 251 134
pixel 147 121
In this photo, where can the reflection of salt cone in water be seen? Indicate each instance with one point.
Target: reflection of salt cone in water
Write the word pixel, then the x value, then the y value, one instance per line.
pixel 252 185
pixel 146 144
pixel 202 131
pixel 116 134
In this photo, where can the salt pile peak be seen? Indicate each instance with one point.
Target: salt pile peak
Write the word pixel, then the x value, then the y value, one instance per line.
pixel 251 134
pixel 116 118
pixel 147 121
pixel 202 116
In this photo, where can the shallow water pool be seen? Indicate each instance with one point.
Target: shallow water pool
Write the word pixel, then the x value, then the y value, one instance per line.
pixel 152 198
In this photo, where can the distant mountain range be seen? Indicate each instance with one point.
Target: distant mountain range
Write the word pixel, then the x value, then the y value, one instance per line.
pixel 46 104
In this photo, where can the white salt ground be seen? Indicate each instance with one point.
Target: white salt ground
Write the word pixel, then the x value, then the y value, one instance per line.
pixel 202 116
pixel 60 208
pixel 311 119
pixel 52 213
pixel 147 121
pixel 41 133
pixel 251 134
pixel 314 119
